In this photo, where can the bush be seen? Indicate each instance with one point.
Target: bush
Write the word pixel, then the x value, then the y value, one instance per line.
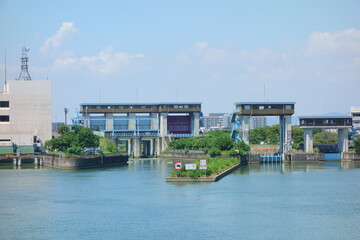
pixel 316 150
pixel 295 146
pixel 357 144
pixel 74 150
pixel 214 151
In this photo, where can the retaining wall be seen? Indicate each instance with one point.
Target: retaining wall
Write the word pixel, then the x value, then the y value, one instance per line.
pixel 305 157
pixel 350 156
pixel 84 162
pixel 189 155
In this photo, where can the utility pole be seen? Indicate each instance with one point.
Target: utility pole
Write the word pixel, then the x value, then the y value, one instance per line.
pixel 66 110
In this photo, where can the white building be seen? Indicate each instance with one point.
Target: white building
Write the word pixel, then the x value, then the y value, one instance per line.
pixel 25 112
pixel 355 113
pixel 256 122
pixel 216 121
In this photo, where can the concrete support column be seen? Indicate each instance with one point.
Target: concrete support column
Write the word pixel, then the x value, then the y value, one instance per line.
pixel 137 147
pixel 154 121
pixel 288 133
pixel 129 147
pixel 152 146
pixel 308 140
pixel 86 120
pixel 132 121
pixel 163 124
pixel 109 125
pixel 343 143
pixel 196 123
pixel 245 124
pixel 158 145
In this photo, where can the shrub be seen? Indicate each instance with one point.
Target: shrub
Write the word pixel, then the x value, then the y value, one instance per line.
pixel 357 145
pixel 74 150
pixel 316 150
pixel 214 151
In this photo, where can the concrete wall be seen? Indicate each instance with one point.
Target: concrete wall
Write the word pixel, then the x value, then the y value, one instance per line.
pixel 189 155
pixel 29 111
pixel 84 162
pixel 307 157
pixel 351 156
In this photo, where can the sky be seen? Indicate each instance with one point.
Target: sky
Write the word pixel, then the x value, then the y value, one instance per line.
pixel 213 52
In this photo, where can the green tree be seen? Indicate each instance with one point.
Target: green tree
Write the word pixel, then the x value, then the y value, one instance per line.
pixel 243 148
pixel 297 134
pixel 272 134
pixel 63 129
pixel 107 146
pixel 325 137
pixel 357 144
pixel 79 137
pixel 257 135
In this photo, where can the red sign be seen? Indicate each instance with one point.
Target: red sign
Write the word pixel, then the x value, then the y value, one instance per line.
pixel 178 165
pixel 203 164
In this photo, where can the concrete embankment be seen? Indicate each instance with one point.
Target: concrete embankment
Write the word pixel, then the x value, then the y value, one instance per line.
pixel 204 179
pixel 304 157
pixel 83 162
pixel 351 156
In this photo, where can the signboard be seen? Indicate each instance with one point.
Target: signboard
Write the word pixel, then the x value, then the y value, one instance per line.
pixel 203 164
pixel 178 165
pixel 190 166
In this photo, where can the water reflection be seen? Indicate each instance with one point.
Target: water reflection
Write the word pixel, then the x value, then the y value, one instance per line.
pixel 296 167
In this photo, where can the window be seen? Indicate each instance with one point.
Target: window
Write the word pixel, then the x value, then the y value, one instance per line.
pixel 186 106
pixel 347 121
pixel 288 107
pixel 4 118
pixel 176 106
pixel 121 107
pixel 143 107
pixel 302 122
pixel 98 107
pixel 326 121
pixel 261 107
pixel 4 104
pixel 332 121
pixel 309 121
pixel 247 107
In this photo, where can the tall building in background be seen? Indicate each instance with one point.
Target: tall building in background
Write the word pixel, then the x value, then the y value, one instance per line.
pixel 216 121
pixel 355 113
pixel 25 109
pixel 256 122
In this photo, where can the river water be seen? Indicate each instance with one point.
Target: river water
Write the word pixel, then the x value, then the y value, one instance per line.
pixel 266 201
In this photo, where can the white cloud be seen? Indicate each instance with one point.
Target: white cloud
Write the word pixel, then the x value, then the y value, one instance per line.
pixel 105 62
pixel 339 42
pixel 54 42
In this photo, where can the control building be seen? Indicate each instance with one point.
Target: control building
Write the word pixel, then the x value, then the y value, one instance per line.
pixel 355 113
pixel 147 127
pixel 245 110
pixel 341 123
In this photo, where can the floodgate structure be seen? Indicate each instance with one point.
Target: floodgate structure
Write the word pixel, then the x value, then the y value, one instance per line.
pixel 147 128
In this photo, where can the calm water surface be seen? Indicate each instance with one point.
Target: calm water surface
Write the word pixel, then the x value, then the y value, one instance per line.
pixel 311 201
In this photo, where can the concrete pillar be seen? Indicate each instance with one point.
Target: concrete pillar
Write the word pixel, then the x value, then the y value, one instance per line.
pixel 86 120
pixel 18 162
pixel 152 146
pixel 137 147
pixel 154 121
pixel 163 124
pixel 158 145
pixel 132 123
pixel 109 125
pixel 15 161
pixel 288 133
pixel 343 143
pixel 36 163
pixel 245 124
pixel 129 147
pixel 308 140
pixel 196 123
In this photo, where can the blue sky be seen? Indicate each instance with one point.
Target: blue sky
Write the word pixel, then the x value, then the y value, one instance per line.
pixel 215 52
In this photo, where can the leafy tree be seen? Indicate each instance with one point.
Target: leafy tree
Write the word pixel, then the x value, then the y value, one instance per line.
pixel 79 137
pixel 63 129
pixel 243 148
pixel 107 146
pixel 297 134
pixel 224 142
pixel 257 135
pixel 325 137
pixel 272 134
pixel 214 151
pixel 357 144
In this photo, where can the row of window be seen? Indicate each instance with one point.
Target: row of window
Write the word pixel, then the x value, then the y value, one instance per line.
pixel 325 121
pixel 4 118
pixel 142 107
pixel 267 107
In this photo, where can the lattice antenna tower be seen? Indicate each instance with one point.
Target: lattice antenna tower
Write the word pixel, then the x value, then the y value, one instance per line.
pixel 24 74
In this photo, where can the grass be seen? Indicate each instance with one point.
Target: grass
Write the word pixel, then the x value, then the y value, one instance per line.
pixel 215 166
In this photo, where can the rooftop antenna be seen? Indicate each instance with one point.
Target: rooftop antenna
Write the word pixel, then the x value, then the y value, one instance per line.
pixel 5 65
pixel 24 74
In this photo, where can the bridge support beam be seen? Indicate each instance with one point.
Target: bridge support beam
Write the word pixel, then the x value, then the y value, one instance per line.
pixel 343 143
pixel 285 133
pixel 308 140
pixel 137 147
